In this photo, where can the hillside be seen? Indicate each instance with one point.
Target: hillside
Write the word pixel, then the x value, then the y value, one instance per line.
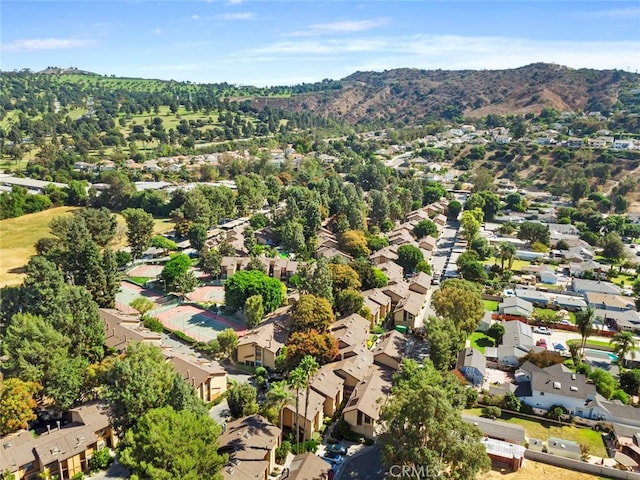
pixel 410 95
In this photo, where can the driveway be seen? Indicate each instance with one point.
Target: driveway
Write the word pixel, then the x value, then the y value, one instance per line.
pixel 364 466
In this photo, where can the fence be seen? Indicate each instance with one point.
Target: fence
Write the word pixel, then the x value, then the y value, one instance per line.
pixel 580 466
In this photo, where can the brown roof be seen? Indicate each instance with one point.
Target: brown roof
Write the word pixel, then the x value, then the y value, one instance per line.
pixel 16 450
pixel 248 442
pixel 371 393
pixel 392 344
pixel 63 444
pixel 270 334
pixel 401 289
pixel 120 329
pixel 377 295
pixel 326 382
pixel 316 403
pixel 390 253
pixel 356 366
pixel 93 414
pixel 412 303
pixel 350 331
pixel 308 466
pixel 195 371
pixel 421 279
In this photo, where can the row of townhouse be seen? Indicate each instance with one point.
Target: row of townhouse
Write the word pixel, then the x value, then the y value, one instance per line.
pixel 208 379
pixel 63 451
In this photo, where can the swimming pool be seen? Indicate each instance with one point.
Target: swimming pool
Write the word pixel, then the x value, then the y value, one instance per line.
pixel 601 354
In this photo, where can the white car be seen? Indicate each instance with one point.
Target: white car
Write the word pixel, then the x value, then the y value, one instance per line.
pixel 542 330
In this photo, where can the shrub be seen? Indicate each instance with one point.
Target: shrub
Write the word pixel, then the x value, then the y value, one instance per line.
pixel 282 451
pixel 153 324
pixel 101 459
pixel 184 337
pixel 377 330
pixel 491 412
pixel 260 372
pixel 78 476
pixel 555 412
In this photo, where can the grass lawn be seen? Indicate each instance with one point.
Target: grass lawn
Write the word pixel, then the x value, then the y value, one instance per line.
pixel 139 280
pixel 623 279
pixel 18 237
pixel 490 305
pixel 591 343
pixel 549 311
pixel 160 225
pixel 543 430
pixel 480 341
pixel 516 265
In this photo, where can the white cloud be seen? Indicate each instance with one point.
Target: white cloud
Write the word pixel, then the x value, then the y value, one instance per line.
pixel 158 31
pixel 237 16
pixel 347 26
pixel 234 2
pixel 195 17
pixel 39 44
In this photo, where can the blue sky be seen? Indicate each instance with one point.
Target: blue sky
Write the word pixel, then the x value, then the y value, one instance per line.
pixel 287 42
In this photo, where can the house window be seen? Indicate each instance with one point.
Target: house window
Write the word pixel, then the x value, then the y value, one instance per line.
pixel 27 466
pixel 367 419
pixel 542 394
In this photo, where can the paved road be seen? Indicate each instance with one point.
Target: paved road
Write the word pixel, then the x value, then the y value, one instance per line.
pixel 366 466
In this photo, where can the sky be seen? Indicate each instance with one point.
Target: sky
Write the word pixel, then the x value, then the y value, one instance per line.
pixel 265 43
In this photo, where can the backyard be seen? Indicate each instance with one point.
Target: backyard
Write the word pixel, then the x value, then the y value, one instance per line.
pixel 532 469
pixel 480 341
pixel 542 430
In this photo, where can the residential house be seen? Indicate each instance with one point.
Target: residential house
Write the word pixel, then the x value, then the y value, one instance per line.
pixel 537 298
pixel 580 285
pixel 556 385
pixel 261 346
pixel 386 254
pixel 417 216
pixel 472 364
pixel 401 237
pixel 390 349
pixel 628 320
pixel 428 244
pixel 378 303
pixel 505 453
pixel 574 142
pixel 120 329
pixel 410 310
pixel 604 301
pixel 251 444
pixel 209 380
pixel 393 271
pixel 615 412
pixel 353 369
pixel 311 421
pixel 308 466
pixel 517 341
pixel 331 252
pixel 623 144
pixel 350 332
pixel 440 221
pixel 516 306
pixel 331 387
pixel 65 451
pixel 282 268
pixel 396 291
pixel 420 283
pixel 231 265
pixel 569 302
pixel 543 272
pixel 362 411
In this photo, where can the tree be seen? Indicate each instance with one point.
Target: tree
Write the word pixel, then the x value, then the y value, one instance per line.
pixel 354 243
pixel 515 202
pixel 211 261
pixel 197 235
pixel 277 397
pixel 349 301
pixel 311 312
pixel 409 256
pixel 474 271
pixel 629 381
pixel 422 427
pixel 470 225
pixel 175 269
pixel 579 189
pixel 584 322
pixel 228 341
pixel 425 227
pixel 491 205
pixel 605 383
pixel 159 241
pixel 142 305
pixel 253 310
pixel 242 399
pixel 453 209
pixel 624 343
pixel 17 405
pixel 496 331
pixel 247 283
pixel 344 277
pixel 100 222
pixel 156 449
pixel 506 251
pixel 316 279
pixel 445 341
pixel 139 230
pixel 66 382
pixel 463 306
pixel 297 380
pixel 309 365
pixel 256 264
pixel 291 236
pixel 136 383
pixel 613 248
pixel 534 232
pixel 322 346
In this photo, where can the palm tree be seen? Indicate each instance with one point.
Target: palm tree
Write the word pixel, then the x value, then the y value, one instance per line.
pixel 506 251
pixel 623 343
pixel 297 380
pixel 278 396
pixel 309 366
pixel 584 322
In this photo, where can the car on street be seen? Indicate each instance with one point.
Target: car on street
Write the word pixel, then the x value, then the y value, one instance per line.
pixel 542 330
pixel 435 281
pixel 332 458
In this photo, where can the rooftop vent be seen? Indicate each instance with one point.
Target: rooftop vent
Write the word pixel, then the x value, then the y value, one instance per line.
pixel 557 385
pixel 573 389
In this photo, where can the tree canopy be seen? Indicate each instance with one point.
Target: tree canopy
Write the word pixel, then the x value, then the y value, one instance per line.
pixel 247 283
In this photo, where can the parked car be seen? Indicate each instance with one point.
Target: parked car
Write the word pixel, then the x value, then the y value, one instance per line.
pixel 337 448
pixel 333 458
pixel 542 330
pixel 564 321
pixel 435 281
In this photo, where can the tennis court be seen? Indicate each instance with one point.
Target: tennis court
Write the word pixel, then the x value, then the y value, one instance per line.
pixel 149 271
pixel 128 292
pixel 208 293
pixel 196 322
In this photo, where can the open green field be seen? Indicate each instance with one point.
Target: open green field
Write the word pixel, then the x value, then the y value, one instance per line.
pixel 19 235
pixel 549 311
pixel 17 239
pixel 543 430
pixel 516 265
pixel 591 343
pixel 490 305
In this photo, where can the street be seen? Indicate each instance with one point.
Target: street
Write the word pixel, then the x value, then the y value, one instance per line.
pixel 365 466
